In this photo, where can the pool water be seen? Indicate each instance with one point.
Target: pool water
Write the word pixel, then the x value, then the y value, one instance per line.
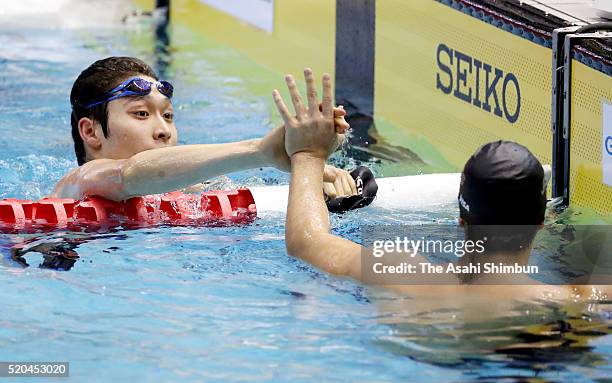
pixel 226 303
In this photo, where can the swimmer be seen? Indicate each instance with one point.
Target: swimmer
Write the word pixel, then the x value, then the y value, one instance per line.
pixel 125 140
pixel 492 180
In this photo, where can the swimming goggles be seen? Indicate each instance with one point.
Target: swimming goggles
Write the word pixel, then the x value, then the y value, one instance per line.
pixel 134 86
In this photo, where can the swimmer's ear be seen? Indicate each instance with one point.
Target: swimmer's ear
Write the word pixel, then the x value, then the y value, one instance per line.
pixel 547 177
pixel 87 130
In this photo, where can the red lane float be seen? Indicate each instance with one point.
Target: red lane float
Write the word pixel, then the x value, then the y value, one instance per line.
pixel 176 208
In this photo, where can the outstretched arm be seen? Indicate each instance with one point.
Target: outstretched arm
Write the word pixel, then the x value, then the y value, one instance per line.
pixel 165 169
pixel 310 137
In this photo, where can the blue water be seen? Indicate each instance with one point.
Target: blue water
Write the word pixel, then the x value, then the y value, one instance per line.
pixel 211 304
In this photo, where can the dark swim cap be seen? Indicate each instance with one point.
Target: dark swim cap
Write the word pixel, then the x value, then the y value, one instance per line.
pixel 502 184
pixel 366 192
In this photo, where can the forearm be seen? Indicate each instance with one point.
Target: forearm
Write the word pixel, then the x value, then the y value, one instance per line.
pixel 307 214
pixel 307 227
pixel 167 169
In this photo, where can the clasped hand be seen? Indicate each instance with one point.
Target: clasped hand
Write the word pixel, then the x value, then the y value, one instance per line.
pixel 274 148
pixel 312 129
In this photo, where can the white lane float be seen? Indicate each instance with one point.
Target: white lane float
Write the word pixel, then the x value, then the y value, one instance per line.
pixel 399 193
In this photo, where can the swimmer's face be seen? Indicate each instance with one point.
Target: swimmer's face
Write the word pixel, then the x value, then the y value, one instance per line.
pixel 135 124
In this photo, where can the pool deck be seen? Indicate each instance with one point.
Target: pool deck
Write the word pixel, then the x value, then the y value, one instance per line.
pixel 575 11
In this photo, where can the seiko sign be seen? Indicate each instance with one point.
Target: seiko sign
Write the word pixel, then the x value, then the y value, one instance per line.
pixel 478 83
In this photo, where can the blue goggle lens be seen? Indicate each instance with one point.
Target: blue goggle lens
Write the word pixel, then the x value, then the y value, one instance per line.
pixel 142 86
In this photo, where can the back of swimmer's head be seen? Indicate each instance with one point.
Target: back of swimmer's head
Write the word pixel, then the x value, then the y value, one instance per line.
pixel 97 79
pixel 502 183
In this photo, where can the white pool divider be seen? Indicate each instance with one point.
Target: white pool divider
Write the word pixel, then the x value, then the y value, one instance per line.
pixel 397 193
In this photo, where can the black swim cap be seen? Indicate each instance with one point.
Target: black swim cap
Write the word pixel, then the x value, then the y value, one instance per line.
pixel 502 184
pixel 366 192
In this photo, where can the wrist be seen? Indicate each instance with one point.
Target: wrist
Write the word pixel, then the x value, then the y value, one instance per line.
pixel 305 161
pixel 259 156
pixel 308 156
